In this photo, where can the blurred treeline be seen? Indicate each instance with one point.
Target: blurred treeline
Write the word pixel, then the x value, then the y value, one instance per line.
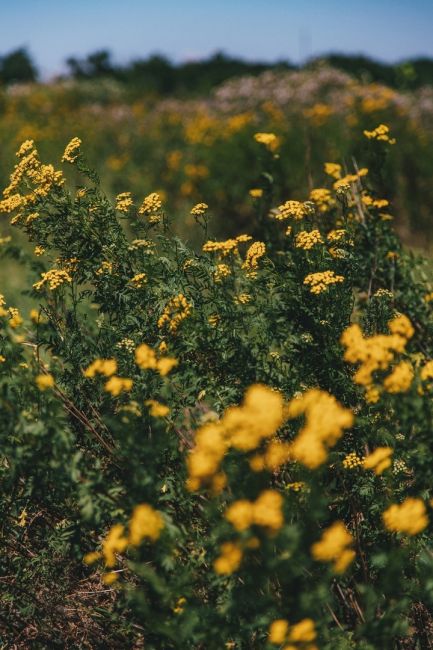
pixel 158 74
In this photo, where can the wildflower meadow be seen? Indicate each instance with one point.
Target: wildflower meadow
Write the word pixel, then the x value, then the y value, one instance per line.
pixel 216 375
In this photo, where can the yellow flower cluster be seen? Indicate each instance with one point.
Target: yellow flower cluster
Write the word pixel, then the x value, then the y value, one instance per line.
pixel 325 420
pixel 230 558
pixel 241 427
pixel 71 152
pixel 322 198
pixel 224 248
pixel 342 183
pixel 333 169
pixel 337 235
pixel 44 381
pixel 319 282
pixel 379 460
pixel 151 204
pixel 409 517
pixel 177 309
pixel 297 636
pixel 213 320
pixel 242 299
pixel 54 278
pixel 116 385
pixel 254 253
pixel 256 192
pixel 377 352
pixel 380 133
pixel 307 240
pixel 352 460
pixel 290 210
pixel 400 379
pixel 426 373
pixel 270 140
pixel 139 280
pixel 29 169
pixel 383 293
pixel 146 359
pixel 156 409
pixel 124 201
pixel 15 319
pixel 106 367
pixel 145 523
pixel 199 209
pixel 222 271
pixel 265 511
pixel 106 267
pixel 368 201
pixel 334 547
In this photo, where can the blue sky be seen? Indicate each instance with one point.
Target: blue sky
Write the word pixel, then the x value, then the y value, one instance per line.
pixel 186 29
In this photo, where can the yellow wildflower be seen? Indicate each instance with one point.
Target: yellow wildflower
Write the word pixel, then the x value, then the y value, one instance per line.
pixel 145 522
pixel 333 547
pixel 44 381
pixel 320 282
pixel 116 385
pixel 400 379
pixel 106 367
pixel 71 152
pixel 325 420
pixel 379 460
pixel 270 140
pixel 115 542
pixel 307 240
pixel 229 560
pixel 124 201
pixel 157 410
pixel 409 517
pixel 199 209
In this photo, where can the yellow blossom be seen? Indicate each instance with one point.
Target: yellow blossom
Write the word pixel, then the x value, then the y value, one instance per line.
pixel 44 381
pixel 72 150
pixel 380 133
pixel 54 278
pixel 270 140
pixel 115 542
pixel 325 420
pixel 379 460
pixel 307 240
pixel 106 367
pixel 320 282
pixel 400 379
pixel 229 560
pixel 145 522
pixel 157 410
pixel 409 517
pixel 116 385
pixel 123 201
pixel 334 547
pixel 199 209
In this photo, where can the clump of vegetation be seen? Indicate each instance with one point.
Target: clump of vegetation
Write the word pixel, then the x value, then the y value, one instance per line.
pixel 221 447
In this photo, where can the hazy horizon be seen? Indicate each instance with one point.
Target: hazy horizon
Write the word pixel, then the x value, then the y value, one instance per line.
pixel 278 30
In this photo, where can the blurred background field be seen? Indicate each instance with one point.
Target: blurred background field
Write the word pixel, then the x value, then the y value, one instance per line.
pixel 187 131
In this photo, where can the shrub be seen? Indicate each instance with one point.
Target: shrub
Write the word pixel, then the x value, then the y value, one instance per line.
pixel 236 440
